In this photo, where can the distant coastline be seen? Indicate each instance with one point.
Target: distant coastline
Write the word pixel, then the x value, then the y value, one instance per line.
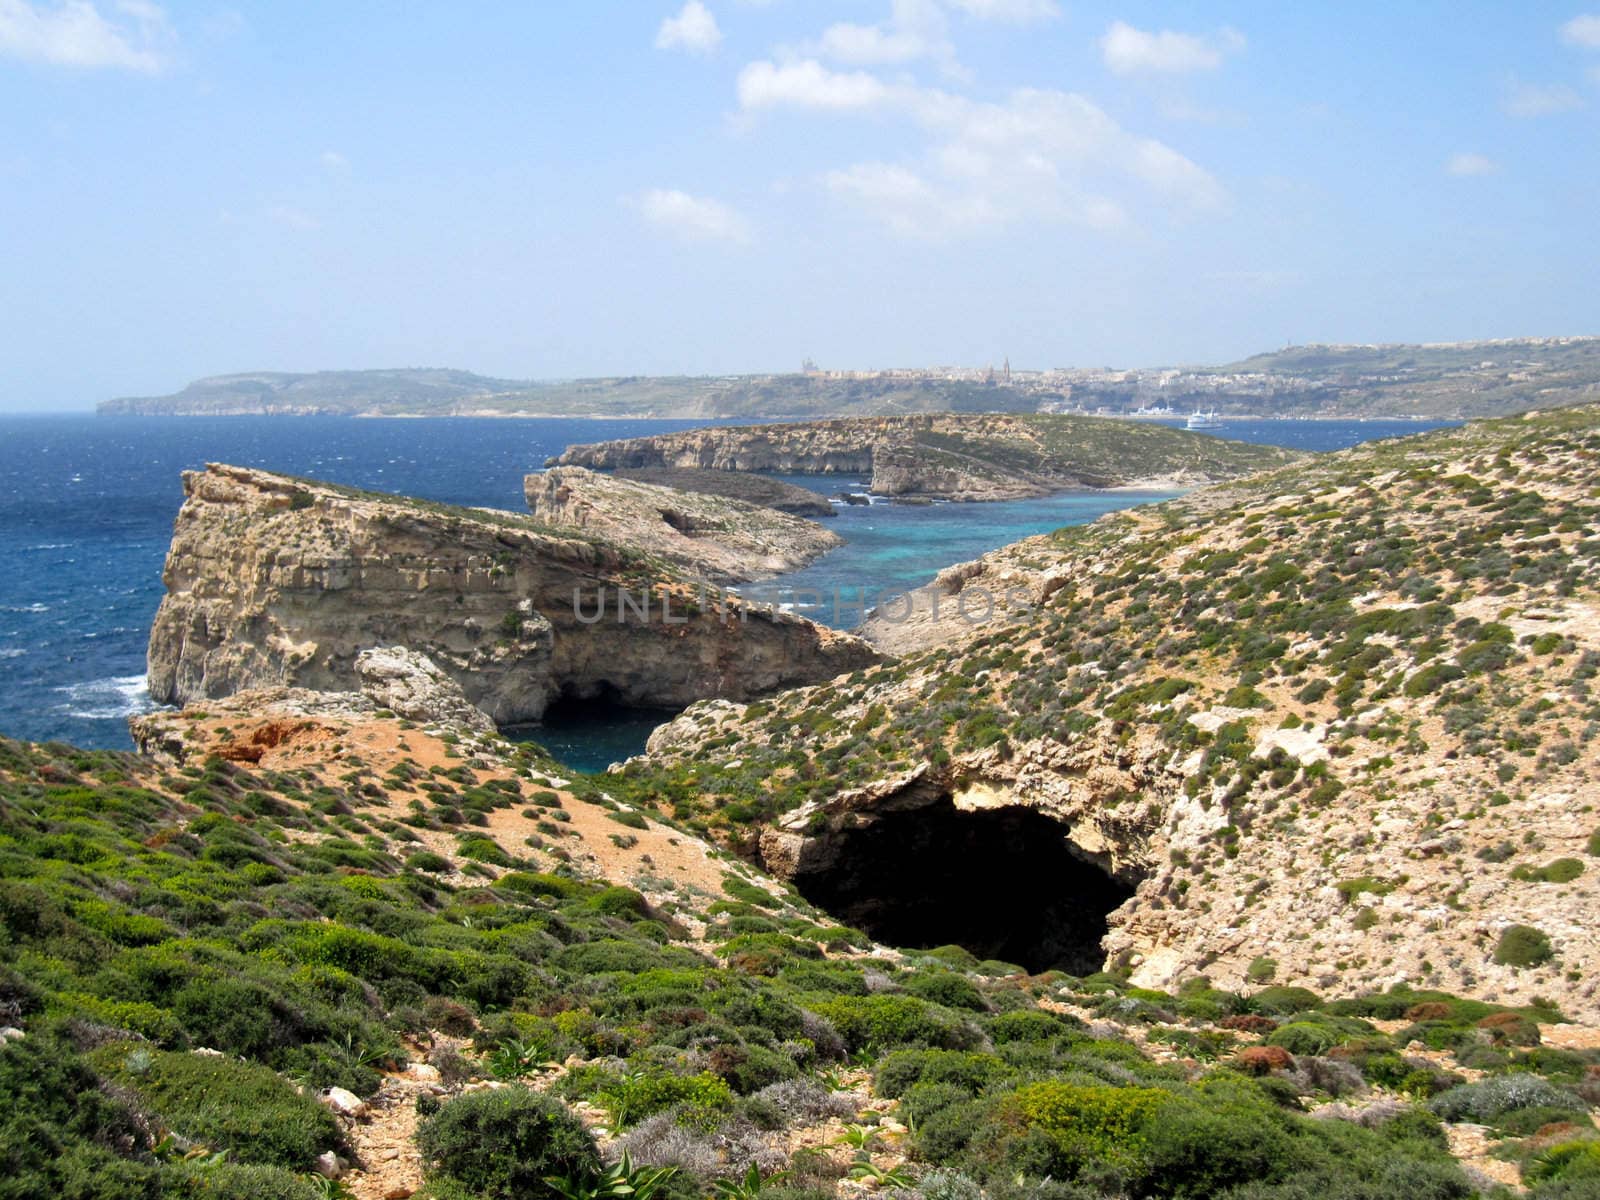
pixel 1456 381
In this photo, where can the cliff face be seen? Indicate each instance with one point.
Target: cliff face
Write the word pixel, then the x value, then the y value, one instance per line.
pixel 720 539
pixel 950 456
pixel 1332 725
pixel 273 581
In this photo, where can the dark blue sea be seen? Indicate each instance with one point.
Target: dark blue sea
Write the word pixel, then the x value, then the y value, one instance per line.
pixel 87 504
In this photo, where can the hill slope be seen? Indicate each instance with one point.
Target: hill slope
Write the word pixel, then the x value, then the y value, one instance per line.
pixel 1335 722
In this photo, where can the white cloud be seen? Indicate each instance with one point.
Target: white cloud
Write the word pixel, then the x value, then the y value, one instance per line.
pixel 915 29
pixel 809 84
pixel 75 33
pixel 1539 100
pixel 1129 51
pixel 1039 155
pixel 1583 31
pixel 692 218
pixel 1469 164
pixel 694 29
pixel 332 160
pixel 1015 12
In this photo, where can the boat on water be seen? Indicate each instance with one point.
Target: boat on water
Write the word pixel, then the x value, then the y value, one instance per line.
pixel 1203 420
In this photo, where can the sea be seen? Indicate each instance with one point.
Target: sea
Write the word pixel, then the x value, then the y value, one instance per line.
pixel 87 505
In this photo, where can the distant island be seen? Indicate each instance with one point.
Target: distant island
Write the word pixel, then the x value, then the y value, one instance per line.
pixel 1439 380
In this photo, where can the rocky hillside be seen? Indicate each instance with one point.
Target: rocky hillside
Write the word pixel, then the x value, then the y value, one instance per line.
pixel 1334 725
pixel 303 948
pixel 274 581
pixel 949 456
pixel 710 536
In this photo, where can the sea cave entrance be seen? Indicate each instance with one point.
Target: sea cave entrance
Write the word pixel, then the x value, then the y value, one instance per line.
pixel 589 729
pixel 1004 883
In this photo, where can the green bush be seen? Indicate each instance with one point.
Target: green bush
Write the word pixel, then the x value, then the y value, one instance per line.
pixel 502 1144
pixel 1523 946
pixel 632 1097
pixel 1284 1001
pixel 245 1109
pixel 968 1070
pixel 1080 1125
pixel 946 988
pixel 883 1021
pixel 1562 870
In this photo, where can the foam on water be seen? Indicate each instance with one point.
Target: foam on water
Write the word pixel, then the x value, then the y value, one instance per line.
pixel 87 507
pixel 111 699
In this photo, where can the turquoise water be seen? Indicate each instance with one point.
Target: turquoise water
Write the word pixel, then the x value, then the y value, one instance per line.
pixel 891 548
pixel 87 504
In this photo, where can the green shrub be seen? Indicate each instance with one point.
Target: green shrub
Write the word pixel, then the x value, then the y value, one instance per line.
pixel 245 1109
pixel 946 988
pixel 1523 946
pixel 502 1144
pixel 1489 1101
pixel 968 1070
pixel 1562 870
pixel 632 1097
pixel 883 1021
pixel 1305 1038
pixel 1284 1001
pixel 1080 1125
pixel 1261 970
pixel 59 1127
pixel 619 902
pixel 1579 1159
pixel 427 860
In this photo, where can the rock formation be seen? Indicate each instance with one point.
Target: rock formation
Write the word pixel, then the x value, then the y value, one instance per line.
pixel 410 685
pixel 737 485
pixel 274 581
pixel 949 456
pixel 709 536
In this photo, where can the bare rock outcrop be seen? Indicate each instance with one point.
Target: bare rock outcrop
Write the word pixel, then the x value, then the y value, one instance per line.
pixel 737 485
pixel 275 581
pixel 411 685
pixel 716 537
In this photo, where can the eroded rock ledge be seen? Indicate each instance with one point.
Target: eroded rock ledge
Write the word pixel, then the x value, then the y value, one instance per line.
pixel 274 581
pixel 723 539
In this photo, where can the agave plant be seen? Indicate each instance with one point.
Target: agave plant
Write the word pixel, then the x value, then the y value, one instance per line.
pixel 890 1177
pixel 515 1059
pixel 620 1181
pixel 748 1186
pixel 861 1137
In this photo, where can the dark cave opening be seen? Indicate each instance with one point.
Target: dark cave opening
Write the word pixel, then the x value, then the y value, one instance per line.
pixel 590 728
pixel 1004 883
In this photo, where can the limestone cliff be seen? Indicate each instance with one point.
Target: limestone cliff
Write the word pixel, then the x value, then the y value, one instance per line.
pixel 1333 725
pixel 274 581
pixel 714 537
pixel 737 485
pixel 950 456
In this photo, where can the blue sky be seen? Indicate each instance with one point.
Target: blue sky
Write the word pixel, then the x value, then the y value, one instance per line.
pixel 622 186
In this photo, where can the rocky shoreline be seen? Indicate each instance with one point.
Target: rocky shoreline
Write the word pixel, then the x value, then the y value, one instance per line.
pixel 947 456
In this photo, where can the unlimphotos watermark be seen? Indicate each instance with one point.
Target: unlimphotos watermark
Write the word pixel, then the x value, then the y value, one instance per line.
pixel 676 604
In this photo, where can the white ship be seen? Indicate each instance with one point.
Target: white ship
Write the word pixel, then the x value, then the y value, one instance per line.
pixel 1203 420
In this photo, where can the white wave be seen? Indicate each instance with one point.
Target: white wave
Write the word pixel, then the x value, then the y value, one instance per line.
pixel 107 699
pixel 49 546
pixel 26 608
pixel 8 653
